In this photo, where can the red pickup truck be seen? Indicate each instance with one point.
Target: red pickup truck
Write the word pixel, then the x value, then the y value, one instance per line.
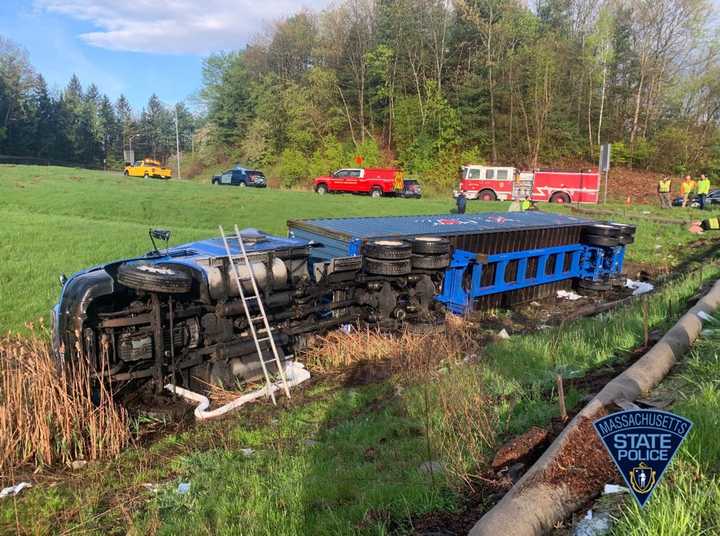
pixel 374 181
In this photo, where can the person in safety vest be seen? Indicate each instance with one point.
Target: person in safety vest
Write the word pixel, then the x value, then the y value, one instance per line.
pixel 664 187
pixel 525 204
pixel 703 189
pixel 687 187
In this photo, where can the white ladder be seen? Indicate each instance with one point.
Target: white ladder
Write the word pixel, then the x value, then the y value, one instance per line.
pixel 255 296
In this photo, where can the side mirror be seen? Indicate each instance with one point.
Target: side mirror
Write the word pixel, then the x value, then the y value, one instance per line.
pixel 159 234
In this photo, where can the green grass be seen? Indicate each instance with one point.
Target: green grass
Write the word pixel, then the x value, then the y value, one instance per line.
pixel 60 220
pixel 362 474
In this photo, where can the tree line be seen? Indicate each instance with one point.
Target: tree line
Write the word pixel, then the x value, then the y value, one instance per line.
pixel 429 84
pixel 79 125
pixel 423 84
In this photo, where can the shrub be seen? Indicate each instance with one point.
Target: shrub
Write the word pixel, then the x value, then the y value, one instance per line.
pixel 293 167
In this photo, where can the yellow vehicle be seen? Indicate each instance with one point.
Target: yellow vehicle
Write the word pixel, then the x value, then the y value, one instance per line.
pixel 148 168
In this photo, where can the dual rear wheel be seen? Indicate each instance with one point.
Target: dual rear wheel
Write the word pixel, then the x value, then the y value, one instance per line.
pixel 400 257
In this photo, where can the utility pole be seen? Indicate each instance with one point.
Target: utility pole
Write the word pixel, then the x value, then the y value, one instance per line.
pixel 177 142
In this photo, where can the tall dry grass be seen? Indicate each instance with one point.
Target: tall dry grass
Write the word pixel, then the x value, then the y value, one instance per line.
pixel 407 352
pixel 460 419
pixel 47 414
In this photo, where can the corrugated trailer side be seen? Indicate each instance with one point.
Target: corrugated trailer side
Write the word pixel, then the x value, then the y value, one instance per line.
pixel 482 233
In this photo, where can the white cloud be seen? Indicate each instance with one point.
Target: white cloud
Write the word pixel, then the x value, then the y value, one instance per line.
pixel 175 26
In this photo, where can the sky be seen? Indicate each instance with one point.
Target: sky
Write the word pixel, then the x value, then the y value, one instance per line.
pixel 136 47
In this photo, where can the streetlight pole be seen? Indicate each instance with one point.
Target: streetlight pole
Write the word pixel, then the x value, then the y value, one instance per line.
pixel 177 142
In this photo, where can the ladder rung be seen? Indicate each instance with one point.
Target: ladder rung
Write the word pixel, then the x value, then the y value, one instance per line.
pixel 263 339
pixel 253 297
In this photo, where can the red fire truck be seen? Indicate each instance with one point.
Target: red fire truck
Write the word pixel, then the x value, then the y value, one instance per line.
pixel 491 183
pixel 374 181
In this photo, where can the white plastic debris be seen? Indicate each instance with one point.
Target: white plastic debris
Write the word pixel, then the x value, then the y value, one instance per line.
pixel 503 334
pixel 295 373
pixel 639 287
pixel 614 488
pixel 78 464
pixel 702 315
pixel 14 490
pixel 183 488
pixel 593 525
pixel 568 295
pixel 247 452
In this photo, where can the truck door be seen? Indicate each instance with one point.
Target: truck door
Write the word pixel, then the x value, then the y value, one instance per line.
pixel 226 178
pixel 338 183
pixel 353 182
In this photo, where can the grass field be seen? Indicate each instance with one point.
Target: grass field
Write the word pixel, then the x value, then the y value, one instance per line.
pixel 59 220
pixel 345 460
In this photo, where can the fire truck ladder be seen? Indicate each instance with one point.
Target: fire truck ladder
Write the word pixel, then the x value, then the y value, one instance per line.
pixel 265 329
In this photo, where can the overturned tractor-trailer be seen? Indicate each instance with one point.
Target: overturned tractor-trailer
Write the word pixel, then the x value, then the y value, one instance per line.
pixel 177 314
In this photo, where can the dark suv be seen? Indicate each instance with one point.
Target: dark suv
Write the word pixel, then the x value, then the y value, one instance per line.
pixel 240 176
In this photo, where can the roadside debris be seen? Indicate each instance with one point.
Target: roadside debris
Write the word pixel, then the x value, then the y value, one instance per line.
pixel 568 295
pixel 614 488
pixel 639 287
pixel 247 452
pixel 696 228
pixel 702 315
pixel 14 490
pixel 594 525
pixel 431 467
pixel 183 488
pixel 78 464
pixel 503 334
pixel 295 373
pixel 520 447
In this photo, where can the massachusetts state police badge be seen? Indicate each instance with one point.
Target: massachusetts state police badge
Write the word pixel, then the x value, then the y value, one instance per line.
pixel 641 443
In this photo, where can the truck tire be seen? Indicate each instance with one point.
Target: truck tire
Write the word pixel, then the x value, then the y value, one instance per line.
pixel 397 267
pixel 376 193
pixel 389 250
pixel 146 175
pixel 242 184
pixel 597 286
pixel 598 240
pixel 151 277
pixel 430 245
pixel 126 173
pixel 560 197
pixel 487 195
pixel 625 228
pixel 625 240
pixel 431 262
pixel 321 189
pixel 602 229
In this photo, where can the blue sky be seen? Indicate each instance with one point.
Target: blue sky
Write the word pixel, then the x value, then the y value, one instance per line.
pixel 136 47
